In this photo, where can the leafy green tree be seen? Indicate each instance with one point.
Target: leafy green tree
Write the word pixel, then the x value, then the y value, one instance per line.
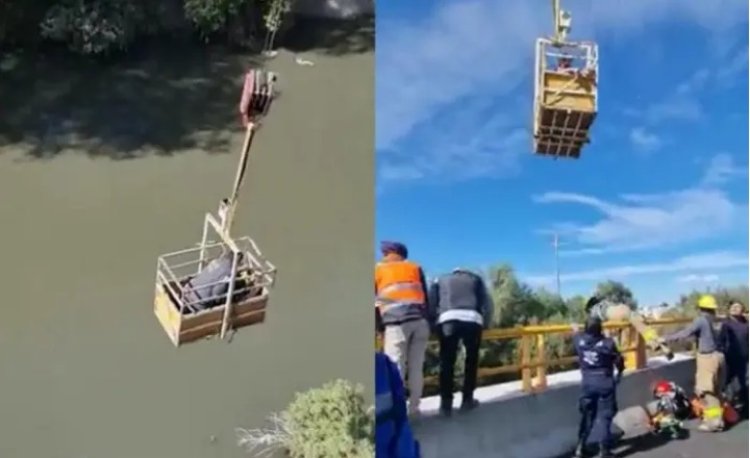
pixel 93 27
pixel 331 421
pixel 211 16
pixel 616 292
pixel 576 308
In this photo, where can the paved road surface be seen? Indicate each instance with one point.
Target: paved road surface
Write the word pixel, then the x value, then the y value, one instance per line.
pixel 729 444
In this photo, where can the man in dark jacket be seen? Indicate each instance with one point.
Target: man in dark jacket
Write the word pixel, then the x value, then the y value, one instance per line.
pixel 734 342
pixel 461 307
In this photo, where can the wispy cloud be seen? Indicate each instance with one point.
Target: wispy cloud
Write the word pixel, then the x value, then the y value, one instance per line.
pixel 484 48
pixel 680 104
pixel 639 221
pixel 699 262
pixel 683 102
pixel 495 145
pixel 722 169
pixel 698 278
pixel 644 141
pixel 737 66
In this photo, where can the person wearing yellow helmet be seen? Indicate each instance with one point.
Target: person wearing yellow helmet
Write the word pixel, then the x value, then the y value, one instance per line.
pixel 709 362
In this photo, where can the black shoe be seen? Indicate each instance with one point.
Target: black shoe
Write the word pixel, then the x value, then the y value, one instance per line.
pixel 469 404
pixel 446 410
pixel 605 453
pixel 579 451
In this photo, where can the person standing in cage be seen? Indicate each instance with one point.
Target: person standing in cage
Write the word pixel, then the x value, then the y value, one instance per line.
pixel 462 307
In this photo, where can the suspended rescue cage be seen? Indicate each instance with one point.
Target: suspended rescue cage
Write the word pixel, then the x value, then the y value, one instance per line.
pixel 218 286
pixel 565 91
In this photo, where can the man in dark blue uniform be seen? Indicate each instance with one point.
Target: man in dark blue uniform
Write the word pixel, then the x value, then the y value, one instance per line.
pixel 598 357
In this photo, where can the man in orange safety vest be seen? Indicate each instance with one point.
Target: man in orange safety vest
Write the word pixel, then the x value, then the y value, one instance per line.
pixel 401 308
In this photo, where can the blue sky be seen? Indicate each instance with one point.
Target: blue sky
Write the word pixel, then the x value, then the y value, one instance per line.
pixel 659 199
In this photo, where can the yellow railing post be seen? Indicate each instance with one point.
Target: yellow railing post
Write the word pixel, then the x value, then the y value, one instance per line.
pixel 526 385
pixel 635 358
pixel 626 342
pixel 641 356
pixel 540 382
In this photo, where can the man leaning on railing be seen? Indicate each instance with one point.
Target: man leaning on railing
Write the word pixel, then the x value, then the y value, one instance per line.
pixel 462 307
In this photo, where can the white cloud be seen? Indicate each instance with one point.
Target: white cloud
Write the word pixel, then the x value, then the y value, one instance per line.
pixel 639 221
pixel 643 140
pixel 737 67
pixel 698 278
pixel 683 104
pixel 485 48
pixel 644 221
pixel 683 107
pixel 721 169
pixel 680 104
pixel 706 261
pixel 494 147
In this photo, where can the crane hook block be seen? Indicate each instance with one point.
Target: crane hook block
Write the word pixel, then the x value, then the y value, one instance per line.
pixel 257 95
pixel 566 20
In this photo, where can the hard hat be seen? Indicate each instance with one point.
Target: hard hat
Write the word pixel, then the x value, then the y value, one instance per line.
pixel 707 302
pixel 662 387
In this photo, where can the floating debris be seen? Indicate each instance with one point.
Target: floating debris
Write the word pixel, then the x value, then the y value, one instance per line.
pixel 303 62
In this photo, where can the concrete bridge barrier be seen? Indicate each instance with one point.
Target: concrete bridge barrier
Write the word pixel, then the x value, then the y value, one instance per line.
pixel 542 425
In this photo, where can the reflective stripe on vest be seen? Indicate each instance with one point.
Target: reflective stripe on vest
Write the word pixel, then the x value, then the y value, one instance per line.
pixel 712 413
pixel 399 281
pixel 400 294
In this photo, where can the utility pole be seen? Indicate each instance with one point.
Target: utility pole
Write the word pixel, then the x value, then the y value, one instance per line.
pixel 556 245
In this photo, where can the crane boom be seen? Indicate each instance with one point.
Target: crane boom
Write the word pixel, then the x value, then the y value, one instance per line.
pixel 231 203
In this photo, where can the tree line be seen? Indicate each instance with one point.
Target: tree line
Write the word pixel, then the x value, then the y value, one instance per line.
pixel 518 304
pixel 99 27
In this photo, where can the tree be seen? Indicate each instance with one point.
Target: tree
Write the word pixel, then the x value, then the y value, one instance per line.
pixel 211 16
pixel 330 421
pixel 514 301
pixel 576 307
pixel 550 305
pixel 93 28
pixel 616 292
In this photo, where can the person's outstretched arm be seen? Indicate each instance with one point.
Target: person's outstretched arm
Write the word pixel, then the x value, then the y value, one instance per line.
pixel 688 331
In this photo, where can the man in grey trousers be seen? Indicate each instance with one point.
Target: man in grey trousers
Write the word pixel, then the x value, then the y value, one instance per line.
pixel 461 307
